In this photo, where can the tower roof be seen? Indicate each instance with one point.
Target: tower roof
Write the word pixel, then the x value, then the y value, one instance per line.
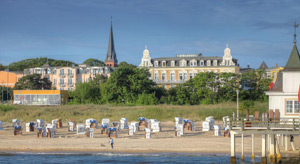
pixel 111 53
pixel 263 65
pixel 293 63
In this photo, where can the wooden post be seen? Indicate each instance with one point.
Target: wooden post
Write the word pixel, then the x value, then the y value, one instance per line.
pixel 286 142
pixel 242 157
pixel 252 136
pixel 272 155
pixel 263 149
pixel 232 155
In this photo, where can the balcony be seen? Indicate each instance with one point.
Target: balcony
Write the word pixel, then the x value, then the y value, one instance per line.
pixel 62 75
pixel 70 84
pixel 169 81
pixel 62 84
pixel 70 75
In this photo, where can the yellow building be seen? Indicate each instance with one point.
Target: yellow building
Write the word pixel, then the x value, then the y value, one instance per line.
pixel 40 97
pixel 170 71
pixel 9 79
pixel 272 72
pixel 66 78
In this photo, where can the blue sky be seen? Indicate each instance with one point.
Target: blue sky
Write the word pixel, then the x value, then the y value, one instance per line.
pixel 76 30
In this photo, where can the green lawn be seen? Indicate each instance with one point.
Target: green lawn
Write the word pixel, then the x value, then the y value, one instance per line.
pixel 115 112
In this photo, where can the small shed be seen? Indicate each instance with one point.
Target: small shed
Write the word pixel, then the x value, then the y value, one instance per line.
pixel 40 97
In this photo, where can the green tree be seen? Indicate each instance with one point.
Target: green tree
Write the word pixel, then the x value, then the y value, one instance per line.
pixel 126 83
pixel 33 82
pixel 228 86
pixel 94 62
pixel 2 67
pixel 247 106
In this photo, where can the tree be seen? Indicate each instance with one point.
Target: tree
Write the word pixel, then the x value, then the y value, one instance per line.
pixel 37 62
pixel 126 83
pixel 228 86
pixel 94 62
pixel 205 86
pixel 247 105
pixel 2 67
pixel 33 82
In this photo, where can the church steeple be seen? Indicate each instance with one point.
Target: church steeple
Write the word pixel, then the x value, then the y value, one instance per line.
pixel 111 57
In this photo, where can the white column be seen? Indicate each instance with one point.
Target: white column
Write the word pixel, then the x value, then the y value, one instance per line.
pixel 242 157
pixel 232 154
pixel 263 149
pixel 252 136
pixel 286 142
pixel 272 148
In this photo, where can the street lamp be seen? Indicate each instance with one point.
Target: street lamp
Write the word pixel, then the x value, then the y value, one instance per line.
pixel 237 104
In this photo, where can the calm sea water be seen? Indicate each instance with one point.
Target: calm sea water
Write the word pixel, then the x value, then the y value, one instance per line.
pixel 114 158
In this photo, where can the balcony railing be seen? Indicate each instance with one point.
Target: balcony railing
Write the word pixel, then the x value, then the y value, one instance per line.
pixel 169 81
pixel 71 75
pixel 71 84
pixel 62 75
pixel 62 84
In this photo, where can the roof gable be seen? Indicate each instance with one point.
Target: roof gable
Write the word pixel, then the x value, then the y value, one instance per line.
pixel 293 63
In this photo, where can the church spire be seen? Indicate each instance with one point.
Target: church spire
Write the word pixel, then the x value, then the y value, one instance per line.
pixel 111 57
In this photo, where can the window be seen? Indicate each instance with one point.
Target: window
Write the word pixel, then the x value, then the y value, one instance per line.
pixel 215 62
pixel 193 63
pixel 163 63
pixel 87 70
pixel 30 71
pixel 156 64
pixel 70 89
pixel 54 71
pixel 155 76
pixel 185 76
pixel 292 106
pixel 163 76
pixel 172 76
pixel 69 72
pixel 201 63
pixel 182 63
pixel 54 82
pixel 180 76
pixel 48 71
pixel 62 81
pixel 191 75
pixel 62 89
pixel 69 81
pixel 62 72
pixel 274 75
pixel 173 63
pixel 95 71
pixel 208 62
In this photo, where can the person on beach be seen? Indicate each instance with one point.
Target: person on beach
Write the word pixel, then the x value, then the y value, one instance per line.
pixel 111 143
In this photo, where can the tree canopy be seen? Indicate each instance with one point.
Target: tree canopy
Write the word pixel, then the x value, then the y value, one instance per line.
pixel 33 82
pixel 37 62
pixel 94 62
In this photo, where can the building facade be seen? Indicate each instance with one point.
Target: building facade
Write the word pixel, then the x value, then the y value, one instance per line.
pixel 9 79
pixel 284 94
pixel 270 73
pixel 170 71
pixel 66 78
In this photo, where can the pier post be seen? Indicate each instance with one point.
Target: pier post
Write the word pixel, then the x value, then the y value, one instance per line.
pixel 286 142
pixel 252 136
pixel 232 154
pixel 272 155
pixel 242 157
pixel 263 149
pixel 282 140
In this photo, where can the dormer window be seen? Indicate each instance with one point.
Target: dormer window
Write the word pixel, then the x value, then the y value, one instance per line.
pixel 215 62
pixel 208 63
pixel 156 64
pixel 193 63
pixel 163 63
pixel 172 63
pixel 182 63
pixel 201 63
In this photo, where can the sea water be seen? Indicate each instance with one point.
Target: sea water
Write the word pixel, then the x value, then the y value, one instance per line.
pixel 138 158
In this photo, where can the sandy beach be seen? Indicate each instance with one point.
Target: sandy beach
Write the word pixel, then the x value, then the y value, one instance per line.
pixel 165 141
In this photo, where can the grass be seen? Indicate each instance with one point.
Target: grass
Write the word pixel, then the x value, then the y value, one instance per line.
pixel 114 112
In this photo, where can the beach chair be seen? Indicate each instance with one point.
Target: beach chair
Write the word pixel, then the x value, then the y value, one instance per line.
pixel 277 115
pixel 17 130
pixel 257 118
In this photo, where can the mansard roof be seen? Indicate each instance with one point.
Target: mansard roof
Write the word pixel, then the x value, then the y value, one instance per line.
pixel 293 63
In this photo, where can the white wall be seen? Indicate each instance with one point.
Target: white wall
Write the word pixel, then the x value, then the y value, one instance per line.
pixel 278 102
pixel 291 82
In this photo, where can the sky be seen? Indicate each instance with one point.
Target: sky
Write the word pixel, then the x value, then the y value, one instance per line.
pixel 75 30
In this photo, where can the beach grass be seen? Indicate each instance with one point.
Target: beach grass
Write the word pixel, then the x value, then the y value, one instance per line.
pixel 115 112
